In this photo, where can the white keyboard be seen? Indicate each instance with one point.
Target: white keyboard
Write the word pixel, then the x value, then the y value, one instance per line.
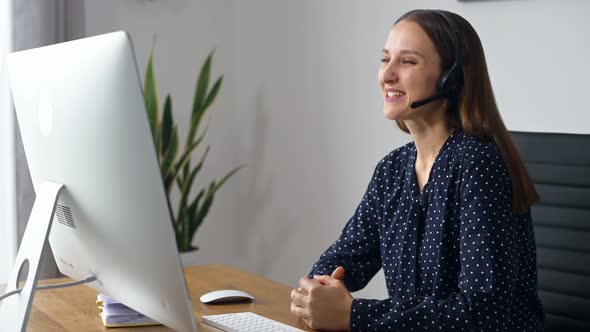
pixel 247 322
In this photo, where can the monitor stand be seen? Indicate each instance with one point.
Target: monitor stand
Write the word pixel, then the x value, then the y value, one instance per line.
pixel 15 309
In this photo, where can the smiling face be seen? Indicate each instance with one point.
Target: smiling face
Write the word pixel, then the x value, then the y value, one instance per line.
pixel 409 71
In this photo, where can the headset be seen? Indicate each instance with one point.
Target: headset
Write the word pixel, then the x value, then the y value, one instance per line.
pixel 451 80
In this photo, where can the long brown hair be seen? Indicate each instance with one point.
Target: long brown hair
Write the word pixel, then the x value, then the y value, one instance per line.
pixel 474 110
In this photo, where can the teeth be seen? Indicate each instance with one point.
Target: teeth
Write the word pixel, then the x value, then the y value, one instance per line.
pixel 394 94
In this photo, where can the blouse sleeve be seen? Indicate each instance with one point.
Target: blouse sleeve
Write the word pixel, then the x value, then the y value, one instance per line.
pixel 488 259
pixel 358 247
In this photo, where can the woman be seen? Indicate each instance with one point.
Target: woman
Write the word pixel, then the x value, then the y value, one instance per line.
pixel 446 216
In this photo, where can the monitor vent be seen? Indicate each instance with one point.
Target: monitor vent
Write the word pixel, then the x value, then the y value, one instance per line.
pixel 64 216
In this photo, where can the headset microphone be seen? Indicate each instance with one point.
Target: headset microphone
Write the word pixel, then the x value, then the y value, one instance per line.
pixel 419 103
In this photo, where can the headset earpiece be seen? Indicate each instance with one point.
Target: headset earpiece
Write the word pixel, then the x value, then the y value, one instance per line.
pixel 451 80
pixel 443 81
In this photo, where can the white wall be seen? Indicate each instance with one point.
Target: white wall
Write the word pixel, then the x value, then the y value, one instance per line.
pixel 7 202
pixel 300 103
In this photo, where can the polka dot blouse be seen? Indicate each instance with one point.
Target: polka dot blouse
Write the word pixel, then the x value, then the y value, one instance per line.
pixel 455 257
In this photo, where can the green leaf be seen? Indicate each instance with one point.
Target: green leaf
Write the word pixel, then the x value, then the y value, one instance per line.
pixel 180 224
pixel 189 210
pixel 186 190
pixel 168 182
pixel 186 170
pixel 227 176
pixel 203 209
pixel 196 201
pixel 186 187
pixel 202 83
pixel 167 124
pixel 194 128
pixel 200 91
pixel 181 239
pixel 170 155
pixel 169 205
pixel 179 182
pixel 186 157
pixel 166 167
pixel 187 239
pixel 213 93
pixel 194 215
pixel 151 98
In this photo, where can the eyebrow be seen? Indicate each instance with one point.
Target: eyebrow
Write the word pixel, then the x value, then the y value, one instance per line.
pixel 405 51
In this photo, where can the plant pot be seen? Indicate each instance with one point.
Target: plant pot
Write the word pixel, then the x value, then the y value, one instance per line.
pixel 190 258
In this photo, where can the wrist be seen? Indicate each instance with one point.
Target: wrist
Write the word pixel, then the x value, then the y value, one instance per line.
pixel 348 310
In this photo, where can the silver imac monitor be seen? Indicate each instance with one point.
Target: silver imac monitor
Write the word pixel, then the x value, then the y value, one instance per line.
pixel 83 123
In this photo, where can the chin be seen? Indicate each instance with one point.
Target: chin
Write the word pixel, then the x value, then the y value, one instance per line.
pixel 389 116
pixel 393 114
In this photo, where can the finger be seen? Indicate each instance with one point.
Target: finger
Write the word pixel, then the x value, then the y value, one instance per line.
pixel 324 280
pixel 327 280
pixel 302 291
pixel 293 308
pixel 307 284
pixel 298 311
pixel 298 298
pixel 338 273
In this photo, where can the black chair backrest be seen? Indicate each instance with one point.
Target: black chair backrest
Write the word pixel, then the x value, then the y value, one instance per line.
pixel 559 165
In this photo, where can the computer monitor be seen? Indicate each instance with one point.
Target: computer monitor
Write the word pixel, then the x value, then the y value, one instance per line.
pixel 83 123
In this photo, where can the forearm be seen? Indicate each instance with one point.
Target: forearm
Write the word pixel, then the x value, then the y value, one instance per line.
pixel 456 313
pixel 359 270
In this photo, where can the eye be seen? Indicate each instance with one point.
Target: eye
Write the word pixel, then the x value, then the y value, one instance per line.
pixel 384 60
pixel 408 62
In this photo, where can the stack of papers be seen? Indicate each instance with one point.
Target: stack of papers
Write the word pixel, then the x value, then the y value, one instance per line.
pixel 116 314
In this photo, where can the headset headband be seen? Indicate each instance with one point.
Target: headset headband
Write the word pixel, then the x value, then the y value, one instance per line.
pixel 456 70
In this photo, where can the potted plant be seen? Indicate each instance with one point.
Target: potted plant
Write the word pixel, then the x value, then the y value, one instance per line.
pixel 176 168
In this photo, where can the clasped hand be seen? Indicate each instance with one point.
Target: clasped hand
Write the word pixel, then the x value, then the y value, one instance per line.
pixel 323 303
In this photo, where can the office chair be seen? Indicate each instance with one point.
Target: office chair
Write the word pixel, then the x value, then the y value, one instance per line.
pixel 559 166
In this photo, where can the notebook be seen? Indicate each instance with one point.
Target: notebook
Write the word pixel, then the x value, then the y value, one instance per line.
pixel 115 314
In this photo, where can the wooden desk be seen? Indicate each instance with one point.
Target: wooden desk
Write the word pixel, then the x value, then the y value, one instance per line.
pixel 74 308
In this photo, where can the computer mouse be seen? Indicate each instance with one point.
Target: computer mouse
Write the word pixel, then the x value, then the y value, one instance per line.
pixel 226 296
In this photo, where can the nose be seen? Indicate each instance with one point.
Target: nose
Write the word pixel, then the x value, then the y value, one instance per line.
pixel 389 73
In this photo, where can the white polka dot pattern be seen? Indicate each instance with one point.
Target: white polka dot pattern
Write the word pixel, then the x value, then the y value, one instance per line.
pixel 455 257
